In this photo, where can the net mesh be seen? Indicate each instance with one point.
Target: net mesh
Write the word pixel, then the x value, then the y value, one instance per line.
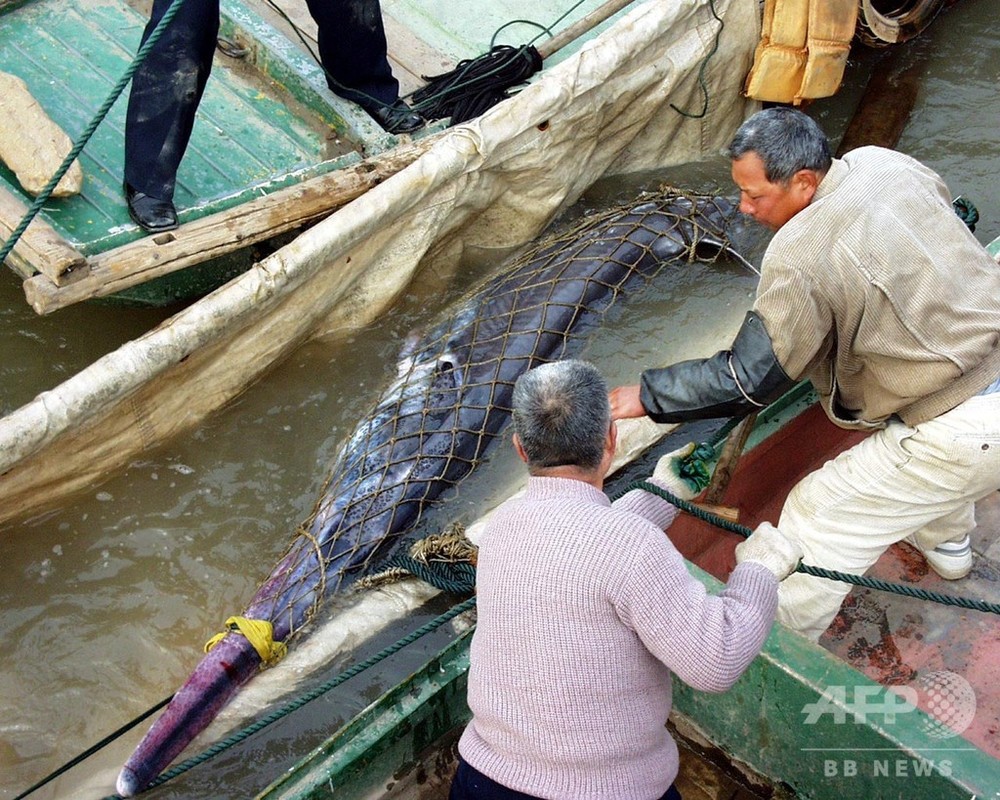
pixel 433 425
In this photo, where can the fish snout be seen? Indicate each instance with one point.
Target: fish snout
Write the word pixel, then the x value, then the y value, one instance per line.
pixel 127 784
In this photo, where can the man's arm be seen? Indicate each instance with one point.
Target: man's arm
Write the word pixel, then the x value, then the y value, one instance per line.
pixel 706 640
pixel 733 382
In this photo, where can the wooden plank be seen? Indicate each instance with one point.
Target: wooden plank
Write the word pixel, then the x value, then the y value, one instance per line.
pixel 225 232
pixel 40 248
pixel 728 460
pixel 32 145
pixel 885 106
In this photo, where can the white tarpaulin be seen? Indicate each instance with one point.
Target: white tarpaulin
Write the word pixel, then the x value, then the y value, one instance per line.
pixel 489 184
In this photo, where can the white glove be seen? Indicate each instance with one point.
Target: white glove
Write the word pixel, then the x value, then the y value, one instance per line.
pixel 770 547
pixel 668 473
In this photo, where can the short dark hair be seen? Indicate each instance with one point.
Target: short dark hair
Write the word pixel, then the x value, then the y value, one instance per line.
pixel 562 415
pixel 786 141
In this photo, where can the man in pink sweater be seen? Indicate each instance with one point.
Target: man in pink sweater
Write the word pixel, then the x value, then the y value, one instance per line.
pixel 585 609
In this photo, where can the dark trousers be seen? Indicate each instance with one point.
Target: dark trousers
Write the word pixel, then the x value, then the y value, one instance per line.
pixel 470 784
pixel 168 86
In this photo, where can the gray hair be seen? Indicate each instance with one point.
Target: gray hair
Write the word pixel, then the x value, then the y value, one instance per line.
pixel 562 415
pixel 786 141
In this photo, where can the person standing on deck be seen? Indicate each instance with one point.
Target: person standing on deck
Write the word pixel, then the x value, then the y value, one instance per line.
pixel 585 608
pixel 168 85
pixel 875 290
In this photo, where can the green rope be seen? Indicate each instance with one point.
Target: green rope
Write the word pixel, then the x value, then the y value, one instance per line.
pixel 904 589
pixel 308 697
pixel 455 577
pixel 102 112
pixel 702 67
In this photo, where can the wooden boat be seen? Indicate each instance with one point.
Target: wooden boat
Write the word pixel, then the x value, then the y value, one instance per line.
pixel 484 186
pixel 273 151
pixel 812 720
pixel 268 130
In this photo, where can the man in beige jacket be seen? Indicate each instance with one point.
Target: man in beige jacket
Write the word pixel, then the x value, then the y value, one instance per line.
pixel 875 290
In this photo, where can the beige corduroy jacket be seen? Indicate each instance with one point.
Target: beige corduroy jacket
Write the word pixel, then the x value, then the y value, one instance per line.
pixel 881 296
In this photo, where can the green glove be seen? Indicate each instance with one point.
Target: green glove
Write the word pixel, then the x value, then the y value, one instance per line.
pixel 684 471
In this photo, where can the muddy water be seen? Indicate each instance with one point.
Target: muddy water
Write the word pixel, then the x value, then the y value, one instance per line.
pixel 107 601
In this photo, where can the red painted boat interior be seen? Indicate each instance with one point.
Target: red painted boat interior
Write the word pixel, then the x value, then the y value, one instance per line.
pixel 893 639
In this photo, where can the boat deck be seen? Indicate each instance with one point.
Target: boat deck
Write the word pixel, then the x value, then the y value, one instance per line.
pixel 250 133
pixel 263 124
pixel 267 123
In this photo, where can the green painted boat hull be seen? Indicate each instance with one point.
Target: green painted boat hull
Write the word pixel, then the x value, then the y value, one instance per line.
pixel 363 758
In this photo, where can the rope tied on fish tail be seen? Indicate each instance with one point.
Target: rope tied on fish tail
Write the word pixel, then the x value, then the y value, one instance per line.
pixel 259 632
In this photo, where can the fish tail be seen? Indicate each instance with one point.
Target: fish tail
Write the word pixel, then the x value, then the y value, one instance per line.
pixel 219 675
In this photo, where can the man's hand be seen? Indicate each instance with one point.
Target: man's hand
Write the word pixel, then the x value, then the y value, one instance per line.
pixel 625 402
pixel 770 547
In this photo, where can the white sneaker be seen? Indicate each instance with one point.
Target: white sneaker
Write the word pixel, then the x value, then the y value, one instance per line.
pixel 951 560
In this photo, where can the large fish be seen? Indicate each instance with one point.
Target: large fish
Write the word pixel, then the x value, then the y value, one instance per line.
pixel 430 428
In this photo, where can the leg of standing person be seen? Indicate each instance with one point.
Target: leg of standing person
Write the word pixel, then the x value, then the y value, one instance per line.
pixel 166 90
pixel 899 482
pixel 353 50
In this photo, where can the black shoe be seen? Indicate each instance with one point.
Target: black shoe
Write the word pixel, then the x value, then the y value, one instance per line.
pixel 150 213
pixel 397 118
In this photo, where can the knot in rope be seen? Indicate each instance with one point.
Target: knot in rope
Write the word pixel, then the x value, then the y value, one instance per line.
pixel 447 561
pixel 259 632
pixel 457 578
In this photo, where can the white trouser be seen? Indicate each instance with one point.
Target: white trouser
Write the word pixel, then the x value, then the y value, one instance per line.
pixel 899 481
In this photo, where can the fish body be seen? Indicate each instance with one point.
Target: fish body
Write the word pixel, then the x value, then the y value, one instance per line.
pixel 432 426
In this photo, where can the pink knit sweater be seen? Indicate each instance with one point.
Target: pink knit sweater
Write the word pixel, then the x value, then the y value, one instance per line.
pixel 584 610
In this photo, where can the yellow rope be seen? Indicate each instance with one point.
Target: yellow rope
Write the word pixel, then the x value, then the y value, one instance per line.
pixel 259 633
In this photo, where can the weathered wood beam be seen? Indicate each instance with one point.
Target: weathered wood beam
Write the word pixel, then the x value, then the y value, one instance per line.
pixel 234 229
pixel 888 100
pixel 40 248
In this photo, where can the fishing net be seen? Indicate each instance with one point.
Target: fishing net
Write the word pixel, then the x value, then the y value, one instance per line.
pixel 433 425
